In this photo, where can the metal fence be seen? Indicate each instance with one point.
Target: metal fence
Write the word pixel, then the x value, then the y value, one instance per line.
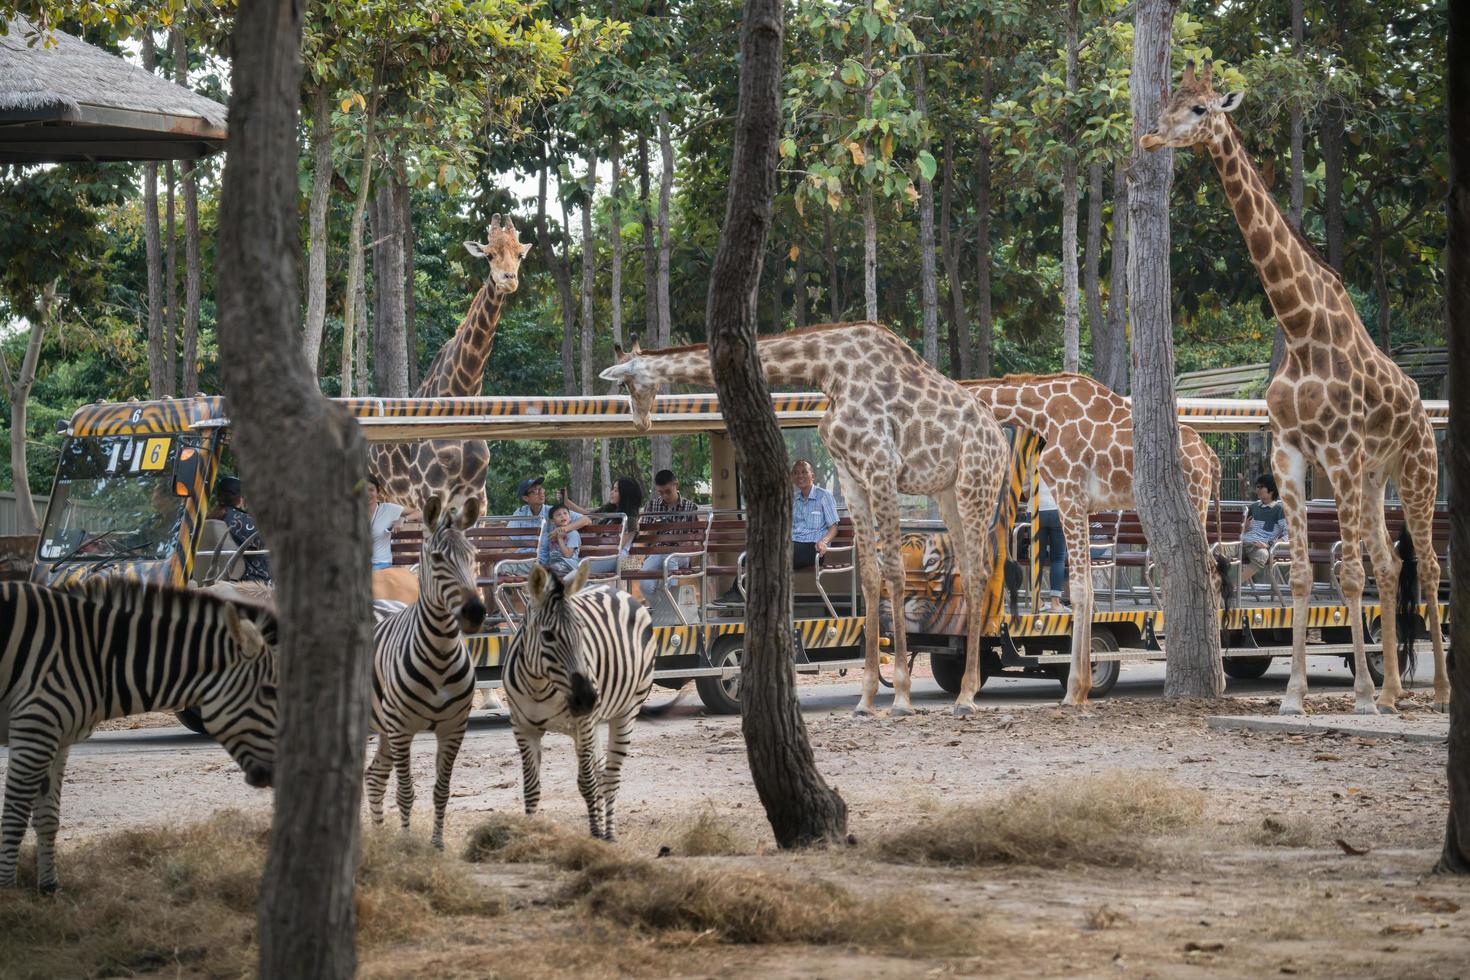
pixel 8 523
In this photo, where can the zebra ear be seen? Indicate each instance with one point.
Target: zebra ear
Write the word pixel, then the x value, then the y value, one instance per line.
pixel 244 632
pixel 578 579
pixel 540 582
pixel 470 514
pixel 431 510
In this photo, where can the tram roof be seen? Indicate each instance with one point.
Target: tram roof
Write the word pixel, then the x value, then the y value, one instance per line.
pixel 572 417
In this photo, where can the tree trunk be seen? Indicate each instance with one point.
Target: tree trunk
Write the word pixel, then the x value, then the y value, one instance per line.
pixel 1191 600
pixel 153 251
pixel 364 331
pixel 321 193
pixel 961 349
pixel 1298 154
pixel 1380 278
pixel 829 251
pixel 927 273
pixel 650 252
pixel 1332 164
pixel 410 327
pixel 1116 377
pixel 561 275
pixel 985 323
pixel 800 806
pixel 1091 269
pixel 390 353
pixel 615 242
pixel 308 461
pixel 1071 315
pixel 582 476
pixel 190 180
pixel 870 220
pixel 1455 857
pixel 798 290
pixel 351 329
pixel 170 286
pixel 18 389
pixel 663 446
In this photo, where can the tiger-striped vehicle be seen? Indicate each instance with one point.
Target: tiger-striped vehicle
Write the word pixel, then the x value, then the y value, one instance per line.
pixel 422 677
pixel 112 452
pixel 70 661
pixel 580 660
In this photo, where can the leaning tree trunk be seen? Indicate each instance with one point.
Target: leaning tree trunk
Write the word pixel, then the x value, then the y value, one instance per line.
pixel 1091 269
pixel 18 390
pixel 801 807
pixel 351 329
pixel 1116 343
pixel 927 273
pixel 308 461
pixel 316 235
pixel 1191 602
pixel 153 254
pixel 1455 858
pixel 390 360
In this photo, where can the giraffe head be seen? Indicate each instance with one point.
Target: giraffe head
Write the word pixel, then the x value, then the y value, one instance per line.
pixel 1194 114
pixel 504 250
pixel 632 371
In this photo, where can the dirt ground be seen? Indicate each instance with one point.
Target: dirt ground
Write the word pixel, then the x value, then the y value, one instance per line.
pixel 1257 887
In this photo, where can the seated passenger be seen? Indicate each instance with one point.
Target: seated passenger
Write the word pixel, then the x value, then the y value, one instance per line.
pixel 813 517
pixel 242 529
pixel 560 545
pixel 384 518
pixel 1265 525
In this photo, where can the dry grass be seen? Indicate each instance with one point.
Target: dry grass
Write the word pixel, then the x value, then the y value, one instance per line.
pixel 183 898
pixel 710 835
pixel 516 839
pixel 679 899
pixel 1292 830
pixel 1107 819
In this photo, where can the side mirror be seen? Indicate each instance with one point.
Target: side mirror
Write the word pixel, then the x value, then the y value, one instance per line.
pixel 186 470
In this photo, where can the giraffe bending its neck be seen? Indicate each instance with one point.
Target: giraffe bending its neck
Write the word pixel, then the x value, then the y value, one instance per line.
pixel 456 469
pixel 1337 401
pixel 1088 463
pixel 894 425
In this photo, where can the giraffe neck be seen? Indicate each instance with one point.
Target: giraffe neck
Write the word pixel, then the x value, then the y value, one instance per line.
pixel 460 367
pixel 795 358
pixel 1292 275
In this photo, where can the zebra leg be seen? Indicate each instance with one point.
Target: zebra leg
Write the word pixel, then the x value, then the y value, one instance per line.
pixel 400 745
pixel 377 779
pixel 449 743
pixel 589 772
pixel 619 734
pixel 29 765
pixel 45 818
pixel 529 742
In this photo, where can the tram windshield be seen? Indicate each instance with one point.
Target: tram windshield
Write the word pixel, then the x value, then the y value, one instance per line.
pixel 113 499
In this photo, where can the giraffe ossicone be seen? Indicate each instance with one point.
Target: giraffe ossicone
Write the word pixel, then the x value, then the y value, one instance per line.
pixel 1337 402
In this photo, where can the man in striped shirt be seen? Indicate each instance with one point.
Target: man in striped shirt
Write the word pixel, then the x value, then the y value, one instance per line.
pixel 669 502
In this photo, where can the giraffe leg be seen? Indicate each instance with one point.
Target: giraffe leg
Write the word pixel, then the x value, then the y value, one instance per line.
pixel 1351 576
pixel 45 819
pixel 867 559
pixel 884 504
pixel 1417 486
pixel 1290 467
pixel 528 740
pixel 377 779
pixel 619 735
pixel 1386 566
pixel 1079 580
pixel 449 742
pixel 964 511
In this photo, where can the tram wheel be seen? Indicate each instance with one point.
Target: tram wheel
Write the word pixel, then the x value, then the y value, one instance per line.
pixel 1247 668
pixel 1104 672
pixel 721 692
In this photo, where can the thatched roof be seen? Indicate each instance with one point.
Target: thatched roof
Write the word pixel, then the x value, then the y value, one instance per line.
pixel 72 101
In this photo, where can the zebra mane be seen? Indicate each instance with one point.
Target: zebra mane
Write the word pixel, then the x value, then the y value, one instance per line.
pixel 166 601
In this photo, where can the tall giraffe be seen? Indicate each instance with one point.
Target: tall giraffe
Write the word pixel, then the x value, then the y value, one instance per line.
pixel 1337 401
pixel 455 469
pixel 1088 463
pixel 894 425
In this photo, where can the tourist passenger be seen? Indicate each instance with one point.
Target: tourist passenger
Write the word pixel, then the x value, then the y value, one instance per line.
pixel 384 518
pixel 561 545
pixel 533 503
pixel 242 528
pixel 1051 546
pixel 813 517
pixel 624 497
pixel 1265 525
pixel 667 505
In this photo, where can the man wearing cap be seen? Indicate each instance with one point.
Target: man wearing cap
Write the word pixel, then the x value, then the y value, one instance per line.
pixel 242 528
pixel 532 510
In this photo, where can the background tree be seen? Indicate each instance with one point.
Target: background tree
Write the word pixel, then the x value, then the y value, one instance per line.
pixel 1191 604
pixel 802 809
pixel 309 461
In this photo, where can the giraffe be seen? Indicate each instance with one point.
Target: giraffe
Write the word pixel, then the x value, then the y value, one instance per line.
pixel 1088 463
pixel 894 425
pixel 1337 401
pixel 456 469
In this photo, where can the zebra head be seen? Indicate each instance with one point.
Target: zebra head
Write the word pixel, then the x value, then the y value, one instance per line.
pixel 552 642
pixel 447 563
pixel 238 709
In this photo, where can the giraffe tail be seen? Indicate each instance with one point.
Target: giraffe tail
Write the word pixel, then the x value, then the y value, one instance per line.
pixel 1408 625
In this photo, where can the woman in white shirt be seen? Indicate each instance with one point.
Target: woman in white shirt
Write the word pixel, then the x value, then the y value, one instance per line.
pixel 384 516
pixel 1051 545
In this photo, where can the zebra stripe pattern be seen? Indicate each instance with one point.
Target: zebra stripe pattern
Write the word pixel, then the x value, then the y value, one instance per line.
pixel 70 661
pixel 579 660
pixel 423 678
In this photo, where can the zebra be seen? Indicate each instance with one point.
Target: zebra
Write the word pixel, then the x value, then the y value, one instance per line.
pixel 578 660
pixel 423 679
pixel 69 661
